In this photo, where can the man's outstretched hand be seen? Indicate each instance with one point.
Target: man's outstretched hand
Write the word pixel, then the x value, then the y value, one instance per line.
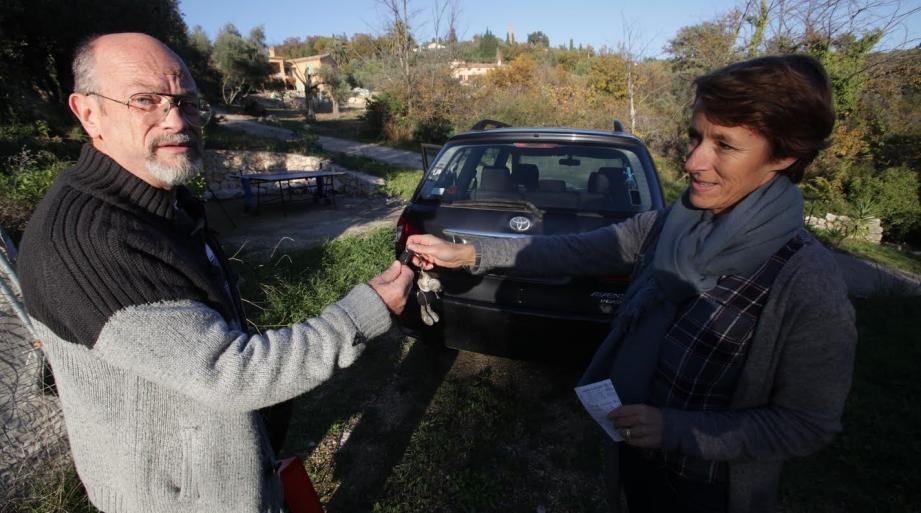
pixel 393 286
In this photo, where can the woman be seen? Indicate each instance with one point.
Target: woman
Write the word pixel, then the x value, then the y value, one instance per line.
pixel 734 348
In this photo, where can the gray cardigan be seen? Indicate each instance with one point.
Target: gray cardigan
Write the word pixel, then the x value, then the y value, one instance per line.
pixel 795 380
pixel 161 411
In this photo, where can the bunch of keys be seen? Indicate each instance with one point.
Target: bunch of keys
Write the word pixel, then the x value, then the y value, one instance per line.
pixel 429 287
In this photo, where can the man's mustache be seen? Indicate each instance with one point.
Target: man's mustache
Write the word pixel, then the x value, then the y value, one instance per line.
pixel 174 139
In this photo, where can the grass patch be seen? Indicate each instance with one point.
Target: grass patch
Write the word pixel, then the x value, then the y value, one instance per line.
pixel 349 125
pixel 872 465
pixel 61 492
pixel 299 285
pixel 399 181
pixel 488 446
pixel 880 253
pixel 218 137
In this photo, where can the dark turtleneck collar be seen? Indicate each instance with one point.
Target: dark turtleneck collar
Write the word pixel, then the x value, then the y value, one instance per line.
pixel 99 175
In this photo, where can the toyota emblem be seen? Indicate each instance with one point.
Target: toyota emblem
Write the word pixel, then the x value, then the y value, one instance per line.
pixel 519 224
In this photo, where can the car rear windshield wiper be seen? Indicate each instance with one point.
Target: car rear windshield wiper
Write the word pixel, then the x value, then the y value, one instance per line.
pixel 497 204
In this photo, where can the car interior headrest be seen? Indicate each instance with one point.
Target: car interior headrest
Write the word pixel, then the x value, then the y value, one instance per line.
pixel 495 179
pixel 598 183
pixel 552 186
pixel 526 175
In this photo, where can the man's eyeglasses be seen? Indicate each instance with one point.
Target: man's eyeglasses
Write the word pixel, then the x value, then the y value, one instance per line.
pixel 156 106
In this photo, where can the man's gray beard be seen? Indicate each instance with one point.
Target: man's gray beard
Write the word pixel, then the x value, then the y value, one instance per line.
pixel 174 174
pixel 184 170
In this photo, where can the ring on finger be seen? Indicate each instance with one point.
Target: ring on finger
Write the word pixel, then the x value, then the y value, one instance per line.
pixel 627 434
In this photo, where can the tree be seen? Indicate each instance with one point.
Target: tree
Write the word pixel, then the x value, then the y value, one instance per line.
pixel 701 48
pixel 39 38
pixel 538 39
pixel 606 78
pixel 487 46
pixel 198 59
pixel 758 23
pixel 400 42
pixel 242 63
pixel 336 85
pixel 364 46
pixel 338 51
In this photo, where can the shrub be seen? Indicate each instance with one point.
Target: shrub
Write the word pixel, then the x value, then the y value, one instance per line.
pixel 24 179
pixel 892 195
pixel 38 136
pixel 381 111
pixel 435 129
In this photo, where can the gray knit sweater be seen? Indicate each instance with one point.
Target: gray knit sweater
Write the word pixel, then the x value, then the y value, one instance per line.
pixel 791 394
pixel 158 384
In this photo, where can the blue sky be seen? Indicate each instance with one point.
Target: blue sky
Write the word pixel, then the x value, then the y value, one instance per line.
pixel 594 22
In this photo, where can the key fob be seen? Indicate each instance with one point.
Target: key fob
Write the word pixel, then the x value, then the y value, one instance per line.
pixel 406 258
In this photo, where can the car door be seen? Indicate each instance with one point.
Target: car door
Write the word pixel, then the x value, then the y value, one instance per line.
pixel 429 151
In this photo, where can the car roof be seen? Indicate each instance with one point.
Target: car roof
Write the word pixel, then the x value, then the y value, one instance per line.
pixel 556 134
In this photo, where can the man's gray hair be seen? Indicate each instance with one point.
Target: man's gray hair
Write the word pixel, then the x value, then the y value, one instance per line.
pixel 84 66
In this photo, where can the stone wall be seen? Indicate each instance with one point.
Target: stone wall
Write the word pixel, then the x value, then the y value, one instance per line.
pixel 870 230
pixel 218 164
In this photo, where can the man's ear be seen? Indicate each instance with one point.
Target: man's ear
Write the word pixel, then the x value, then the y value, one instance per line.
pixel 87 111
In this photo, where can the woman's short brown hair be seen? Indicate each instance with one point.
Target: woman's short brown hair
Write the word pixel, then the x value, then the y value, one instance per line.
pixel 787 99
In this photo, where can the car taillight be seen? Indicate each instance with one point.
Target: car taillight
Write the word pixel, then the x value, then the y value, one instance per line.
pixel 535 145
pixel 404 230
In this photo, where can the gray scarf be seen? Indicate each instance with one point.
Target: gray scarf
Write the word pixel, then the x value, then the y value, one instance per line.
pixel 692 251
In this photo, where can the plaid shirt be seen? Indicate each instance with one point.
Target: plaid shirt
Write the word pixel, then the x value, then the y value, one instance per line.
pixel 704 351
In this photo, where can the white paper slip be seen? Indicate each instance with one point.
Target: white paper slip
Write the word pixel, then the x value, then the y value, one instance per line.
pixel 599 399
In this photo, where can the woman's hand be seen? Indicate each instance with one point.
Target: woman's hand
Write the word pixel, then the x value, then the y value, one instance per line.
pixel 640 425
pixel 431 251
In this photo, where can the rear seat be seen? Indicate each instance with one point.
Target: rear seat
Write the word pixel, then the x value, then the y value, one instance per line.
pixel 525 177
pixel 553 194
pixel 617 186
pixel 495 183
pixel 597 195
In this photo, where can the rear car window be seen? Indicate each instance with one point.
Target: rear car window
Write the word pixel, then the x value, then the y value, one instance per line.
pixel 548 175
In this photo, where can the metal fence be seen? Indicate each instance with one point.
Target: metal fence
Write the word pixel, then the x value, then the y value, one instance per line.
pixel 32 436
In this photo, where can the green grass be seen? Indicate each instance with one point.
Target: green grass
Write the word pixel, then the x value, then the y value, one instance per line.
pixel 452 457
pixel 485 446
pixel 218 137
pixel 300 285
pixel 873 464
pixel 349 125
pixel 61 492
pixel 399 181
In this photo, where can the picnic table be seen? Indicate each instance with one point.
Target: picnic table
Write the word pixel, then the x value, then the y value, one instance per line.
pixel 316 185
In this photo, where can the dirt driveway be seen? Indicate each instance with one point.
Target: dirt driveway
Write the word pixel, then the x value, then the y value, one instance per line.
pixel 271 232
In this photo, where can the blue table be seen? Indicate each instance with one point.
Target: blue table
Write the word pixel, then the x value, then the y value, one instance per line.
pixel 318 184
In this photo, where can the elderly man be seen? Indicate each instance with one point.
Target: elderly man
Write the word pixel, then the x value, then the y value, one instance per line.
pixel 139 314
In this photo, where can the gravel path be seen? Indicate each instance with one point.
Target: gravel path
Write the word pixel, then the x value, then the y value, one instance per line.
pixel 374 151
pixel 334 144
pixel 865 279
pixel 246 124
